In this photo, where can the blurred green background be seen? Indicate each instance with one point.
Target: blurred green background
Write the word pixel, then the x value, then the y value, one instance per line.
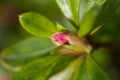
pixel 11 31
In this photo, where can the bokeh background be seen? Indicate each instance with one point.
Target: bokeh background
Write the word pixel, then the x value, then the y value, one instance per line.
pixel 11 31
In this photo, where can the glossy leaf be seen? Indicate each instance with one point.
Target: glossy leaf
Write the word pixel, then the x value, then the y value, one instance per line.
pixel 26 50
pixel 88 22
pixel 37 24
pixel 65 8
pixel 75 9
pixel 42 68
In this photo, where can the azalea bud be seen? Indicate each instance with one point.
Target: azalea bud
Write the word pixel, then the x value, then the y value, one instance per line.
pixel 71 39
pixel 60 38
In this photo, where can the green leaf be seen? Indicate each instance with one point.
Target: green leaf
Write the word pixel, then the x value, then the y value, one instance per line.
pixel 108 33
pixel 102 56
pixel 65 8
pixel 75 9
pixel 26 50
pixel 107 16
pixel 107 11
pixel 67 73
pixel 90 70
pixel 68 25
pixel 42 68
pixel 60 27
pixel 100 2
pixel 37 24
pixel 81 69
pixel 95 30
pixel 88 22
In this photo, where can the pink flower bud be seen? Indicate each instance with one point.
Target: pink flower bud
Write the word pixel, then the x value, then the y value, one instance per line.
pixel 73 44
pixel 60 38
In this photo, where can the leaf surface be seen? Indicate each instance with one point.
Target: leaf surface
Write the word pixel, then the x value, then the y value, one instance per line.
pixel 37 24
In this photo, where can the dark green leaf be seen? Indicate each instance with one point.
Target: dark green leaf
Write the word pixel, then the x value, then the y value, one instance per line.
pixel 81 69
pixel 108 33
pixel 102 56
pixel 42 68
pixel 28 49
pixel 37 24
pixel 107 16
pixel 108 9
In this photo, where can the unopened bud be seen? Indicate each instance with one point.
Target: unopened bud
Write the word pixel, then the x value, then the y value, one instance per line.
pixel 60 38
pixel 67 38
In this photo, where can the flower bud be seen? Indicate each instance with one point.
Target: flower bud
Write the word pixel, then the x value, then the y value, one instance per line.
pixel 71 39
pixel 60 38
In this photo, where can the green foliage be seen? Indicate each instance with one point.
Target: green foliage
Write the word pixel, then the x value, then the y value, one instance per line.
pixel 102 56
pixel 42 68
pixel 75 9
pixel 66 62
pixel 26 50
pixel 110 21
pixel 37 24
pixel 88 21
pixel 81 68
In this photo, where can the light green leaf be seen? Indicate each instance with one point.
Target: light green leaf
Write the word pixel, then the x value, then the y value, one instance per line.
pixel 42 68
pixel 88 22
pixel 37 24
pixel 75 9
pixel 60 27
pixel 100 2
pixel 26 50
